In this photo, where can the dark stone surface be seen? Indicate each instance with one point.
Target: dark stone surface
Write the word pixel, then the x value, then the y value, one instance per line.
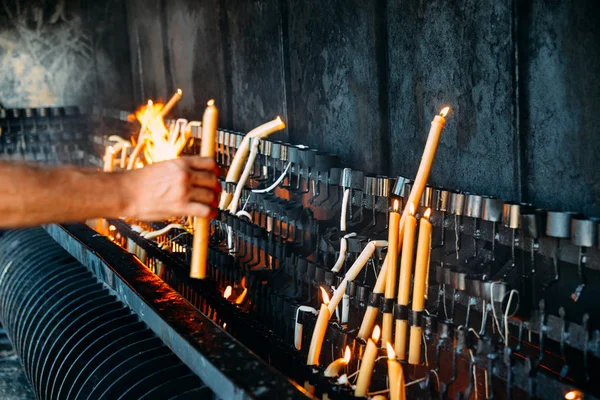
pixel 193 57
pixel 560 105
pixel 334 80
pixel 108 23
pixel 255 63
pixel 364 80
pixel 444 54
pixel 147 50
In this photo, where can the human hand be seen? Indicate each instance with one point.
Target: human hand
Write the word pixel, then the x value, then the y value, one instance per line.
pixel 184 186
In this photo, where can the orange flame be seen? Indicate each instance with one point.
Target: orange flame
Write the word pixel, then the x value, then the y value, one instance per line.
pixel 325 296
pixel 376 333
pixel 444 111
pixel 411 209
pixel 243 282
pixel 390 351
pixel 210 103
pixel 241 297
pixel 396 206
pixel 427 213
pixel 573 395
pixel 227 292
pixel 347 354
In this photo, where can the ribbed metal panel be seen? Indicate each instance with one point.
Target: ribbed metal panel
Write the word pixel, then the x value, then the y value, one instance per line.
pixel 76 340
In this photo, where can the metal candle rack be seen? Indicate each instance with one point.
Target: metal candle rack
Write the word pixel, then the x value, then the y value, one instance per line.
pixel 483 248
pixel 45 135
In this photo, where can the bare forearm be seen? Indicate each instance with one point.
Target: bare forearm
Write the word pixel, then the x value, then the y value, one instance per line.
pixel 31 195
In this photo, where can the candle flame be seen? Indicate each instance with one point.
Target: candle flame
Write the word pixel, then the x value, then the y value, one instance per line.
pixel 180 92
pixel 151 103
pixel 376 333
pixel 427 213
pixel 411 209
pixel 241 297
pixel 347 354
pixel 325 296
pixel 390 351
pixel 227 292
pixel 224 325
pixel 211 103
pixel 243 282
pixel 396 206
pixel 279 119
pixel 444 111
pixel 573 395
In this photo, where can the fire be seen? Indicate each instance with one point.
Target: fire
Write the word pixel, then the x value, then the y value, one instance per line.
pixel 325 296
pixel 241 297
pixel 574 395
pixel 347 354
pixel 155 141
pixel 427 213
pixel 227 292
pixel 411 209
pixel 390 351
pixel 376 333
pixel 444 111
pixel 396 206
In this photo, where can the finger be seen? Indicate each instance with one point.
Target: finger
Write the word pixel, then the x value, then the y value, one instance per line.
pixel 204 179
pixel 200 210
pixel 201 163
pixel 202 195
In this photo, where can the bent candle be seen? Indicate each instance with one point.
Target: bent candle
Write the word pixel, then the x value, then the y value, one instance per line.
pixel 335 367
pixel 316 341
pixel 202 225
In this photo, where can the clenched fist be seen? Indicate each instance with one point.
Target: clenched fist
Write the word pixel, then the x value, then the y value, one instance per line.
pixel 184 186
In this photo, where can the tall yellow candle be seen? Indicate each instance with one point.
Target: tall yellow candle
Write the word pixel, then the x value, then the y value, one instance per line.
pixel 394 372
pixel 392 256
pixel 419 286
pixel 316 341
pixel 202 225
pixel 437 125
pixel 169 106
pixel 335 367
pixel 367 364
pixel 406 265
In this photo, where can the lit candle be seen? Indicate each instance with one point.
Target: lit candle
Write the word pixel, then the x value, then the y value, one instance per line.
pixel 419 286
pixel 433 140
pixel 235 169
pixel 202 225
pixel 227 292
pixel 316 341
pixel 335 367
pixel 174 100
pixel 390 288
pixel 367 364
pixel 395 375
pixel 406 265
pixel 352 273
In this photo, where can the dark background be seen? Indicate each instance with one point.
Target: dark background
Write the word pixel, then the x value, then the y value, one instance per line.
pixel 359 78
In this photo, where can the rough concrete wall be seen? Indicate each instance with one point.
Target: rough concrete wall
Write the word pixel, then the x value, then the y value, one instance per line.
pixel 364 79
pixel 57 53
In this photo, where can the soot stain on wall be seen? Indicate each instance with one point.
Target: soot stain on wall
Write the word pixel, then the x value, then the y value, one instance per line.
pixel 49 55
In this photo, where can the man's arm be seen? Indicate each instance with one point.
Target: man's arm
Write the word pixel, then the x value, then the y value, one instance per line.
pixel 32 195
